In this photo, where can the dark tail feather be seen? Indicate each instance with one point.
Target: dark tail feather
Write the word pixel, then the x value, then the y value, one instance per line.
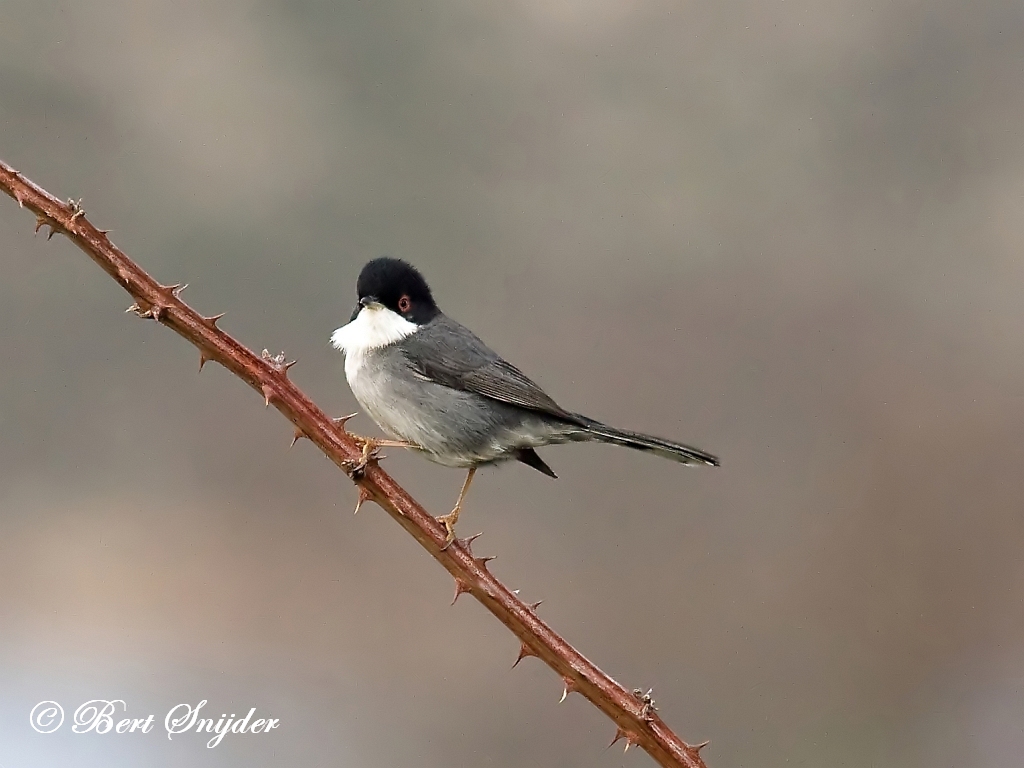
pixel 530 458
pixel 684 454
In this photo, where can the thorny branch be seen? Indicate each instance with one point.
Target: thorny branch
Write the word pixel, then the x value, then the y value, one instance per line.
pixel 634 713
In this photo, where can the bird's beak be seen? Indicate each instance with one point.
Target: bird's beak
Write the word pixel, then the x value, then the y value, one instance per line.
pixel 369 302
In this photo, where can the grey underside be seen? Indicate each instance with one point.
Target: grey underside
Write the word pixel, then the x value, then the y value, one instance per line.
pixel 444 390
pixel 453 427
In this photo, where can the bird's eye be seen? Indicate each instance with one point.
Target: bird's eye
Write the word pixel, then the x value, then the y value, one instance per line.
pixel 404 304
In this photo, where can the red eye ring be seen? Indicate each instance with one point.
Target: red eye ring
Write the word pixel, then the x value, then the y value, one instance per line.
pixel 404 304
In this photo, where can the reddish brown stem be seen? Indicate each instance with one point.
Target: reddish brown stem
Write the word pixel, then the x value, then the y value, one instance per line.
pixel 634 715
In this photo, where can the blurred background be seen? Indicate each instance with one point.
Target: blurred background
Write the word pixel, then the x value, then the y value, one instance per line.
pixel 789 233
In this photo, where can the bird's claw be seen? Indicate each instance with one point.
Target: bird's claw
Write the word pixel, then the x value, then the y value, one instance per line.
pixel 370 452
pixel 449 521
pixel 370 449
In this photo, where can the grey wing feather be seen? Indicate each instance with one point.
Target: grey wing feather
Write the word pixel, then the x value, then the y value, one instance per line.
pixel 503 381
pixel 449 354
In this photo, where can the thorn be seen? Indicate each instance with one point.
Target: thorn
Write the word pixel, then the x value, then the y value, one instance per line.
pixel 535 606
pixel 364 495
pixel 467 543
pixel 21 203
pixel 299 434
pixel 619 734
pixel 340 421
pixel 203 360
pixel 175 290
pixel 524 651
pixel 268 394
pixel 45 221
pixel 698 747
pixel 570 687
pixel 104 231
pixel 157 311
pixel 460 587
pixel 277 362
pixel 77 210
pixel 647 709
pixel 483 561
pixel 213 319
pixel 138 310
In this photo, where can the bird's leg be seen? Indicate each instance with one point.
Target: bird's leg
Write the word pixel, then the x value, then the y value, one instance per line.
pixel 450 519
pixel 370 446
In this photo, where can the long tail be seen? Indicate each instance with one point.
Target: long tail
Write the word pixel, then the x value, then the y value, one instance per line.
pixel 684 454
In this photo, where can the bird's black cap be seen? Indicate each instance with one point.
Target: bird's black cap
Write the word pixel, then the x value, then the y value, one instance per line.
pixel 399 287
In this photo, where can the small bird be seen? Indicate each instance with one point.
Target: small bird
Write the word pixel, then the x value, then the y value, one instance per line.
pixel 433 386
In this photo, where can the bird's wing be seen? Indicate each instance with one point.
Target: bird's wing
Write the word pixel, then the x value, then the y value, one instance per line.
pixel 449 354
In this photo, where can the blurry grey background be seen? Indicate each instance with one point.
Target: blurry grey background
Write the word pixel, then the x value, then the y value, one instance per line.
pixel 787 232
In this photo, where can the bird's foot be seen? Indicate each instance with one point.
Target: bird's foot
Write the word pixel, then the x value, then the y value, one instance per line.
pixel 370 448
pixel 370 452
pixel 449 521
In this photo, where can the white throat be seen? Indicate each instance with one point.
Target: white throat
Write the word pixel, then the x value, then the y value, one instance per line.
pixel 373 328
